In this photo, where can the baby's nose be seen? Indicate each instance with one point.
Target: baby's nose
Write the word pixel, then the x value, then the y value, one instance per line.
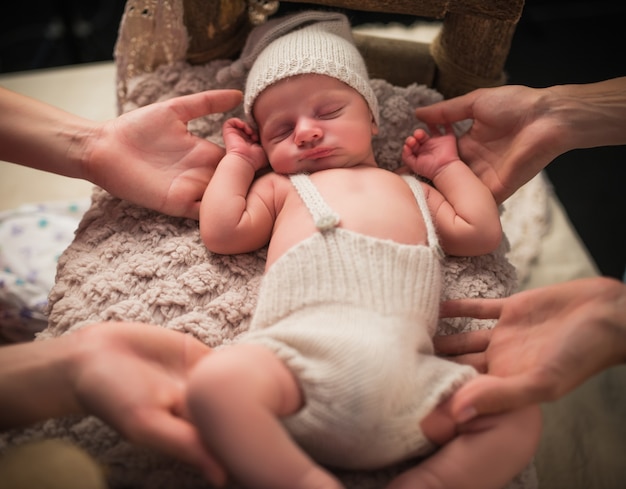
pixel 307 131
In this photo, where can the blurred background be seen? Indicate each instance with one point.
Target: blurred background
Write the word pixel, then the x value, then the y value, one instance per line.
pixel 557 41
pixel 49 33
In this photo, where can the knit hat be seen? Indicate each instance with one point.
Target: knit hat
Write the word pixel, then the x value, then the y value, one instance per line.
pixel 310 42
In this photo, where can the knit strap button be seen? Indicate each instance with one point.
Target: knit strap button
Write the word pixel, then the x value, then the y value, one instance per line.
pixel 329 221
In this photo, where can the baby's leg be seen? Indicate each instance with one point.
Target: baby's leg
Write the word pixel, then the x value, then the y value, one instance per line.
pixel 235 398
pixel 486 453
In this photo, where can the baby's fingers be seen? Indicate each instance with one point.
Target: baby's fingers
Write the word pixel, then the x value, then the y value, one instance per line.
pixel 408 152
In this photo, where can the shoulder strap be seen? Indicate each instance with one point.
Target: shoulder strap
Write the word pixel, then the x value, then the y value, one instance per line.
pixel 418 192
pixel 323 216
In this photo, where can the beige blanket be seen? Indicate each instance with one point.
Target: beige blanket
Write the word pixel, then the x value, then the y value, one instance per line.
pixel 129 263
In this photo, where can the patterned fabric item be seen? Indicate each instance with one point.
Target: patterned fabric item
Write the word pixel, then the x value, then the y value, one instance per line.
pixel 32 237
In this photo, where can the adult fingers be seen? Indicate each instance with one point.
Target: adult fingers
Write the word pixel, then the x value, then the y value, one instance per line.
pixel 491 395
pixel 177 438
pixel 462 343
pixel 192 211
pixel 203 103
pixel 449 111
pixel 195 350
pixel 472 308
pixel 170 349
pixel 476 360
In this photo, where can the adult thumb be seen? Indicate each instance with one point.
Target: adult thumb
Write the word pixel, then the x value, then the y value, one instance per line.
pixel 488 394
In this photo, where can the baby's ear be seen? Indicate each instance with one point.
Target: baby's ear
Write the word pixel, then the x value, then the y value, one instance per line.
pixel 374 127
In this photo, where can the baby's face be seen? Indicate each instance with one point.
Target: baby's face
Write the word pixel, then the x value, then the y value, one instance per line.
pixel 313 122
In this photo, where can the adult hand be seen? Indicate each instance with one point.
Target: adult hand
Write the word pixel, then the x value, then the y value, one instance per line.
pixel 546 342
pixel 133 376
pixel 148 156
pixel 518 130
pixel 512 138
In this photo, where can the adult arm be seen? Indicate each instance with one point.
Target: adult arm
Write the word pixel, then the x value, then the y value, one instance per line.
pixel 133 376
pixel 547 341
pixel 146 156
pixel 517 131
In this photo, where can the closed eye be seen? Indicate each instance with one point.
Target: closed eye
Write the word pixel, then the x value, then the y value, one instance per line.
pixel 281 133
pixel 330 112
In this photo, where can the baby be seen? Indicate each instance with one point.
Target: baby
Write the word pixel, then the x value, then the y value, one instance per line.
pixel 338 368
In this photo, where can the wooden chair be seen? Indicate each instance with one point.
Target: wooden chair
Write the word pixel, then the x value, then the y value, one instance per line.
pixel 469 52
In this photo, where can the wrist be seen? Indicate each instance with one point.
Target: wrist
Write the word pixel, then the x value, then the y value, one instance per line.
pixel 84 346
pixel 443 167
pixel 66 368
pixel 589 115
pixel 616 320
pixel 41 136
pixel 36 382
pixel 246 159
pixel 84 149
pixel 605 315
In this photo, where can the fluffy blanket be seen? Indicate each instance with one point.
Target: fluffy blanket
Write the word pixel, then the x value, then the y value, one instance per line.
pixel 129 263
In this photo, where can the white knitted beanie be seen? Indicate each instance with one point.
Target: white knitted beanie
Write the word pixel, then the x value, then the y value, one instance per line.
pixel 303 43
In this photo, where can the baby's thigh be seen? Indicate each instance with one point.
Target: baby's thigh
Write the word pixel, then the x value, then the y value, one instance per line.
pixel 245 373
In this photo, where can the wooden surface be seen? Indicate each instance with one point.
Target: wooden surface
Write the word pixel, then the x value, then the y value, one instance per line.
pixel 470 53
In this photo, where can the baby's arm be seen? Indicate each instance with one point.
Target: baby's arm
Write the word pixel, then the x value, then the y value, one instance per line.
pixel 463 208
pixel 234 214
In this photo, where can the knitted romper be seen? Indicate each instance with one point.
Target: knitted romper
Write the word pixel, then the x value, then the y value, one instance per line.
pixel 352 317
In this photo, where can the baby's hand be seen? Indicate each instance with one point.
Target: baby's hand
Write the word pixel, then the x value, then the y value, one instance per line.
pixel 427 155
pixel 241 139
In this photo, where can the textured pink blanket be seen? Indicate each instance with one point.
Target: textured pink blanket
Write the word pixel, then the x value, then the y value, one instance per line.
pixel 129 263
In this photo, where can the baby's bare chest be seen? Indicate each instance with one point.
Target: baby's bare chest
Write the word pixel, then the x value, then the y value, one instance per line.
pixel 373 203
